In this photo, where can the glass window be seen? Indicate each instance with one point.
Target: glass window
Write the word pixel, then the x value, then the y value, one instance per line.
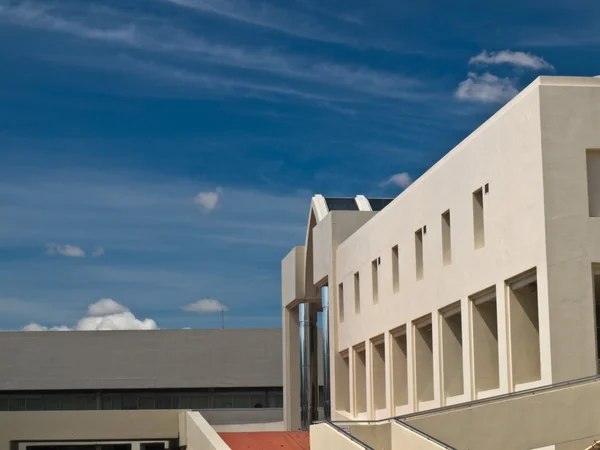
pixel 223 401
pixel 4 406
pixel 129 401
pixel 18 404
pixel 35 403
pixel 199 402
pixel 275 400
pixel 163 401
pixel 146 403
pixel 241 401
pixel 52 402
pixel 258 401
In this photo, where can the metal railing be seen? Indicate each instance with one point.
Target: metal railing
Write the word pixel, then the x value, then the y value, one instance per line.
pixel 424 435
pixel 348 435
pixel 471 403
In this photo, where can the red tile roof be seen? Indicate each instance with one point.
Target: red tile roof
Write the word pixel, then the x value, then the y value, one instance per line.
pixel 296 440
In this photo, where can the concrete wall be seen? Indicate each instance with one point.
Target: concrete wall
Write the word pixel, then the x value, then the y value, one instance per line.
pixel 563 417
pixel 569 120
pixel 403 438
pixel 199 435
pixel 505 153
pixel 87 425
pixel 140 359
pixel 324 437
pixel 377 436
pixel 242 416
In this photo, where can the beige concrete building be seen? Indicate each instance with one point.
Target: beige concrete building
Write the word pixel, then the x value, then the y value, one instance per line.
pixel 481 279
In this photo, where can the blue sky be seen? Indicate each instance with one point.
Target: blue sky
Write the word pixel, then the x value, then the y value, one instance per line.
pixel 162 153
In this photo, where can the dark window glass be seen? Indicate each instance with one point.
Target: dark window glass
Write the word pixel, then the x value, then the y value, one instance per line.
pixel 35 404
pixel 223 401
pixel 377 204
pixel 341 204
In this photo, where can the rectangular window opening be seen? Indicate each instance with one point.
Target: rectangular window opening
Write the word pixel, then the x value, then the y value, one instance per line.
pixel 485 341
pixel 342 397
pixel 357 293
pixel 400 368
pixel 424 359
pixel 395 269
pixel 341 301
pixel 524 328
pixel 478 225
pixel 446 239
pixel 596 273
pixel 419 253
pixel 452 351
pixel 593 181
pixel 375 281
pixel 378 373
pixel 360 381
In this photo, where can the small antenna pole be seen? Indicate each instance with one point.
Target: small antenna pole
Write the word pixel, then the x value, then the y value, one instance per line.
pixel 223 318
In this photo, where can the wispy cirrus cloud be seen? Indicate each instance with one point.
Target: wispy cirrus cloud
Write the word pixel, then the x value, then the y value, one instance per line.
pixel 165 39
pixel 512 58
pixel 266 16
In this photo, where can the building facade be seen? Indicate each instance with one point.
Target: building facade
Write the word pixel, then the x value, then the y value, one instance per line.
pixel 482 278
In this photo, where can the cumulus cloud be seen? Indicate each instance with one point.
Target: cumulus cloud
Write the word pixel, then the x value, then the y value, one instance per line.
pixel 65 250
pixel 209 200
pixel 207 305
pixel 105 306
pixel 402 179
pixel 486 88
pixel 517 59
pixel 105 314
pixel 99 251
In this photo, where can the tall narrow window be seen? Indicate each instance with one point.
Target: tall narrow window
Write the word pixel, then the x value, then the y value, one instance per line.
pixel 400 367
pixel 446 239
pixel 360 380
pixel 593 181
pixel 424 359
pixel 395 269
pixel 452 348
pixel 485 340
pixel 524 328
pixel 357 293
pixel 341 301
pixel 342 387
pixel 478 225
pixel 375 281
pixel 596 273
pixel 419 253
pixel 378 372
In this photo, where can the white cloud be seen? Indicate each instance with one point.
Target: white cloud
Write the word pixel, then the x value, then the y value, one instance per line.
pixel 37 327
pixel 517 59
pixel 402 179
pixel 136 35
pixel 122 321
pixel 105 314
pixel 486 88
pixel 65 250
pixel 207 305
pixel 99 251
pixel 104 307
pixel 209 200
